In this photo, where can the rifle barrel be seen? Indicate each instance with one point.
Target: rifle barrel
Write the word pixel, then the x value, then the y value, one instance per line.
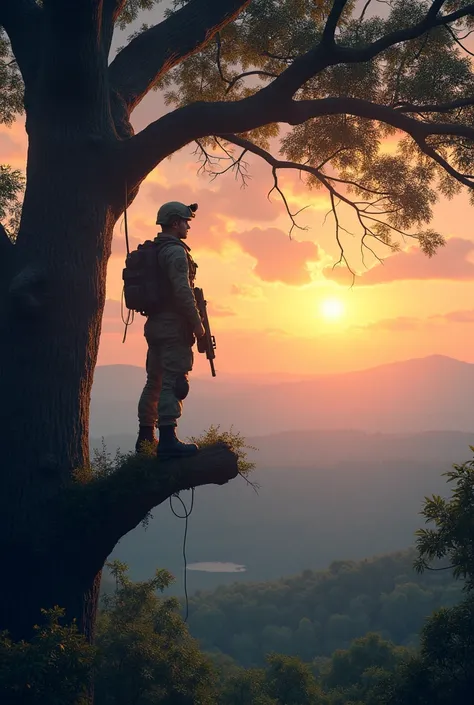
pixel 213 371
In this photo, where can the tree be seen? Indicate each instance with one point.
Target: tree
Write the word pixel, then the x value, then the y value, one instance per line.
pixel 353 674
pixel 52 669
pixel 11 103
pixel 145 653
pixel 443 671
pixel 285 681
pixel 340 81
pixel 290 681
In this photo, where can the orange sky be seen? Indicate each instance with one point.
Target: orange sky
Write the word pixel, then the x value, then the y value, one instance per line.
pixel 265 292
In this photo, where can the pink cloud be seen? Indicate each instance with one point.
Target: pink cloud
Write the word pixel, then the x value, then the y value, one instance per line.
pixel 279 259
pixel 228 198
pixel 451 262
pixel 460 316
pixel 399 324
pixel 246 291
pixel 216 310
pixel 407 323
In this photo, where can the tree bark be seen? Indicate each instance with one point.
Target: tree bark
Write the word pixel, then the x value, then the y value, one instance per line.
pixel 153 53
pixel 53 299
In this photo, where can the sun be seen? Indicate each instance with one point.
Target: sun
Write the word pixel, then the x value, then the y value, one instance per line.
pixel 332 309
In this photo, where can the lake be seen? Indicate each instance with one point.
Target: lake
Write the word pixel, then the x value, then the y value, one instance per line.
pixel 217 567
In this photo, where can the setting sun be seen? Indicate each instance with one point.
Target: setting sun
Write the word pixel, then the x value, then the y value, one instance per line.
pixel 332 309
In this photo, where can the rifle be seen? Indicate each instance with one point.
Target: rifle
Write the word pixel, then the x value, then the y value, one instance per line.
pixel 206 344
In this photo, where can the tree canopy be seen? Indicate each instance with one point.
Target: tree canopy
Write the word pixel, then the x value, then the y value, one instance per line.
pixel 325 84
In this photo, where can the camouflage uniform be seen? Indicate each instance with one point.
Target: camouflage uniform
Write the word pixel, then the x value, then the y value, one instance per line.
pixel 170 338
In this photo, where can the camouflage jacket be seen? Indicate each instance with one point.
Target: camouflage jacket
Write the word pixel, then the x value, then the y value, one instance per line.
pixel 176 262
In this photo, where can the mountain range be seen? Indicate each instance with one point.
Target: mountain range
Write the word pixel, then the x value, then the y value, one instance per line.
pixel 417 395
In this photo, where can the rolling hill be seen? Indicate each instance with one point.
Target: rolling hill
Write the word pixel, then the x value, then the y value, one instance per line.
pixel 413 396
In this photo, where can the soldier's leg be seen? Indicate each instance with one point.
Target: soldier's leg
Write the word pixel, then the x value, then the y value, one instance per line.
pixel 176 363
pixel 148 403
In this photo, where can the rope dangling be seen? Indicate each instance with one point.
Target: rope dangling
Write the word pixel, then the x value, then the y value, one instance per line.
pixel 131 314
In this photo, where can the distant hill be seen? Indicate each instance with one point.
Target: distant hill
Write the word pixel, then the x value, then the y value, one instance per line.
pixel 324 496
pixel 413 396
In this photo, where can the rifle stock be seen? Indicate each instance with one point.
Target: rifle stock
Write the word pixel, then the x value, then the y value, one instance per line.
pixel 206 344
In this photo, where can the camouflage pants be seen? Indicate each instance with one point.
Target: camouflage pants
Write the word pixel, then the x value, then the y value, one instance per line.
pixel 169 360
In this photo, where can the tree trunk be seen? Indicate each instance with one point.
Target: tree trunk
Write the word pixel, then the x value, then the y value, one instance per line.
pixel 51 305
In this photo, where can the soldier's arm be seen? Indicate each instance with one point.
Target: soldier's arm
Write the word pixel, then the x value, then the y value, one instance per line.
pixel 176 263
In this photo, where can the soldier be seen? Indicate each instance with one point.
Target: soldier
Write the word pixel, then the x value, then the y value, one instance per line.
pixel 170 335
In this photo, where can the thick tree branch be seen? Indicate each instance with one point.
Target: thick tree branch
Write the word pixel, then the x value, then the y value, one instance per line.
pixel 331 24
pixel 322 56
pixel 111 9
pixel 110 507
pixel 154 52
pixel 302 110
pixel 434 9
pixel 140 154
pixel 21 20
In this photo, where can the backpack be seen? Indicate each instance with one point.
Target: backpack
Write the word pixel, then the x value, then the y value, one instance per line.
pixel 145 291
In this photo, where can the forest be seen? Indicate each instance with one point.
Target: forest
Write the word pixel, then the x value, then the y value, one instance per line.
pixel 315 613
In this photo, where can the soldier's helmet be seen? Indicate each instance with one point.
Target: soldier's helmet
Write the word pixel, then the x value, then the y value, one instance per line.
pixel 170 210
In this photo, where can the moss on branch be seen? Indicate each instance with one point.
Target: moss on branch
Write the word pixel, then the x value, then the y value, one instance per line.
pixel 100 510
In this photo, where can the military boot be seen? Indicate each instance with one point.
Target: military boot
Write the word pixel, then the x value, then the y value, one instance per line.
pixel 145 434
pixel 170 446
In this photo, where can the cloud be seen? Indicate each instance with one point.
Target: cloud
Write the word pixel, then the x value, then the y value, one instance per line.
pixel 246 291
pixel 459 316
pixel 407 323
pixel 226 199
pixel 399 324
pixel 215 310
pixel 450 263
pixel 279 259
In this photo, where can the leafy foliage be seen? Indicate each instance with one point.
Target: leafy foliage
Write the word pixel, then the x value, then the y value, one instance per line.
pixel 11 104
pixel 11 84
pixel 131 11
pixel 51 669
pixel 453 535
pixel 102 464
pixel 12 183
pixel 231 438
pixel 145 653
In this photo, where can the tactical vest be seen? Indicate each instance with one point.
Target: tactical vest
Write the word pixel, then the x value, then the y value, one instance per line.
pixel 146 285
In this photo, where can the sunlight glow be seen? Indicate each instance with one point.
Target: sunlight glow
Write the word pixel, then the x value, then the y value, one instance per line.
pixel 332 309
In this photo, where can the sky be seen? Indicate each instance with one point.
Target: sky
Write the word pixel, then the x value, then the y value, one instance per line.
pixel 276 305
